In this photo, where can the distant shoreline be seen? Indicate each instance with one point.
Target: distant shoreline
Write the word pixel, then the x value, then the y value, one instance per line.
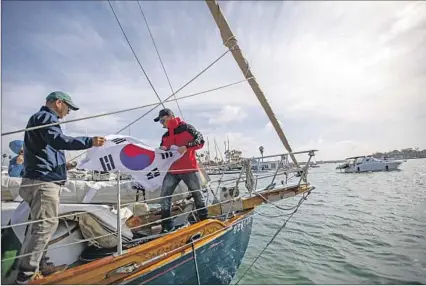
pixel 341 161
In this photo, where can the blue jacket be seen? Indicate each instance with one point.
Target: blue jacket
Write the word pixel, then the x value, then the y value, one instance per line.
pixel 44 159
pixel 15 169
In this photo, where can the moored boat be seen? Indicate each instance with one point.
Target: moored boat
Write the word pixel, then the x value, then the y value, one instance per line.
pixel 360 164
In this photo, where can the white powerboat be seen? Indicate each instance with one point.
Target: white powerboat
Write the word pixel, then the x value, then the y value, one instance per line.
pixel 360 164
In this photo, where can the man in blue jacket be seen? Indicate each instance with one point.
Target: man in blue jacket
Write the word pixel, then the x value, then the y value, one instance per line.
pixel 45 171
pixel 16 166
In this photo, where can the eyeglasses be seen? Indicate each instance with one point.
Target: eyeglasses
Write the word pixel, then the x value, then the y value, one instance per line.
pixel 68 107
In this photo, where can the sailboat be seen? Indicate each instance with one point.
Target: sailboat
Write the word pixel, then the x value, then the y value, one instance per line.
pixel 199 252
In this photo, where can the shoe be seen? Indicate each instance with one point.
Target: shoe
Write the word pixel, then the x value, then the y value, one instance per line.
pixel 23 279
pixel 203 216
pixel 49 268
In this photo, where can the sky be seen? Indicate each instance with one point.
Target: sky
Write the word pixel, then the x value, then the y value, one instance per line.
pixel 346 78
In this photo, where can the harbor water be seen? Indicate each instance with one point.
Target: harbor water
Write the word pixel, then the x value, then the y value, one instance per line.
pixel 367 228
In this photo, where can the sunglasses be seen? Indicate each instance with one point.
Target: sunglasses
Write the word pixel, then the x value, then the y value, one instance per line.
pixel 67 105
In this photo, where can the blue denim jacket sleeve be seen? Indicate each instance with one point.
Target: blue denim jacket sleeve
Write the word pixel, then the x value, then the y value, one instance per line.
pixel 15 169
pixel 54 137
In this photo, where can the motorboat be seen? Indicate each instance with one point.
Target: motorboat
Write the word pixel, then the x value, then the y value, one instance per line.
pixel 364 163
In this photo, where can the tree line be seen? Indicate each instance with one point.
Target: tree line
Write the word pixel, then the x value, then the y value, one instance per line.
pixel 407 153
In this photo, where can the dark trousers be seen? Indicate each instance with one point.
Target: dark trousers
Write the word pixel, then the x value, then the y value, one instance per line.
pixel 192 181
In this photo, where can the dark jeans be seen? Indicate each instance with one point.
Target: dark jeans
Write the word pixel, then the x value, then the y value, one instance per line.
pixel 192 181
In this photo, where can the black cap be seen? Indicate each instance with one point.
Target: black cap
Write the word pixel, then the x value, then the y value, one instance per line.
pixel 163 112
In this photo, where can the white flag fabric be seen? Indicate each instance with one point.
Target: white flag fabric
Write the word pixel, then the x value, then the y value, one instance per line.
pixel 147 165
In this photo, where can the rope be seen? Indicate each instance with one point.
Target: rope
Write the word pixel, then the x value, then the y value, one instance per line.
pixel 233 194
pixel 98 209
pixel 134 54
pixel 105 235
pixel 219 182
pixel 124 110
pixel 280 208
pixel 121 205
pixel 277 206
pixel 249 176
pixel 124 205
pixel 158 54
pixel 158 104
pixel 195 261
pixel 95 210
pixel 304 197
pixel 263 177
pixel 115 232
pixel 159 256
pixel 133 203
pixel 140 117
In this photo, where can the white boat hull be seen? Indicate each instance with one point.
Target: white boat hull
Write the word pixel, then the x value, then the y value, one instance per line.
pixel 373 167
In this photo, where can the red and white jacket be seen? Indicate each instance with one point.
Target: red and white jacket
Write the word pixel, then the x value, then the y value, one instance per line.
pixel 180 134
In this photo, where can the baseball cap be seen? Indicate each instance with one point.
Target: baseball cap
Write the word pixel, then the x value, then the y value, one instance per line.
pixel 16 146
pixel 64 97
pixel 163 112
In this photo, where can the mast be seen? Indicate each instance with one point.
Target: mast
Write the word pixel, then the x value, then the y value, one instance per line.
pixel 226 153
pixel 229 151
pixel 215 148
pixel 230 41
pixel 208 150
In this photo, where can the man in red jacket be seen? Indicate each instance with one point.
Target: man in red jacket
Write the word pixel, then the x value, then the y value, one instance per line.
pixel 188 139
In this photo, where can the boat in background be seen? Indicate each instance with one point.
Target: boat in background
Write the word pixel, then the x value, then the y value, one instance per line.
pixel 360 164
pixel 314 164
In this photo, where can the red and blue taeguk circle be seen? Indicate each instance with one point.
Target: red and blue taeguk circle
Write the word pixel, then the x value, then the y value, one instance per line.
pixel 136 158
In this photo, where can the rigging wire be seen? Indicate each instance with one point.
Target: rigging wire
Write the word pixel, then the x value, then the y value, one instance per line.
pixel 143 115
pixel 119 111
pixel 304 197
pixel 159 57
pixel 156 105
pixel 134 54
pixel 162 103
pixel 121 205
pixel 140 117
pixel 185 85
pixel 150 223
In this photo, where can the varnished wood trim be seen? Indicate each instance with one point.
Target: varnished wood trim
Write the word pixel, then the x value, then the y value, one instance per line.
pixel 99 268
pixel 96 272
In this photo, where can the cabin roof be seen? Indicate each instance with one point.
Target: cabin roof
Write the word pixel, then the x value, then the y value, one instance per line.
pixel 355 157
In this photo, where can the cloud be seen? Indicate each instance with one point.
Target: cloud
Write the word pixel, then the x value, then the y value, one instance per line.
pixel 228 114
pixel 332 72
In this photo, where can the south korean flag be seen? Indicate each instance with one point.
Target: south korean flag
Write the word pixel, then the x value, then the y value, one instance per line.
pixel 147 165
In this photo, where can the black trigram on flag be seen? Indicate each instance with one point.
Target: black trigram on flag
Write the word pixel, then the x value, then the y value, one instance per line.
pixel 118 140
pixel 166 155
pixel 107 163
pixel 154 173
